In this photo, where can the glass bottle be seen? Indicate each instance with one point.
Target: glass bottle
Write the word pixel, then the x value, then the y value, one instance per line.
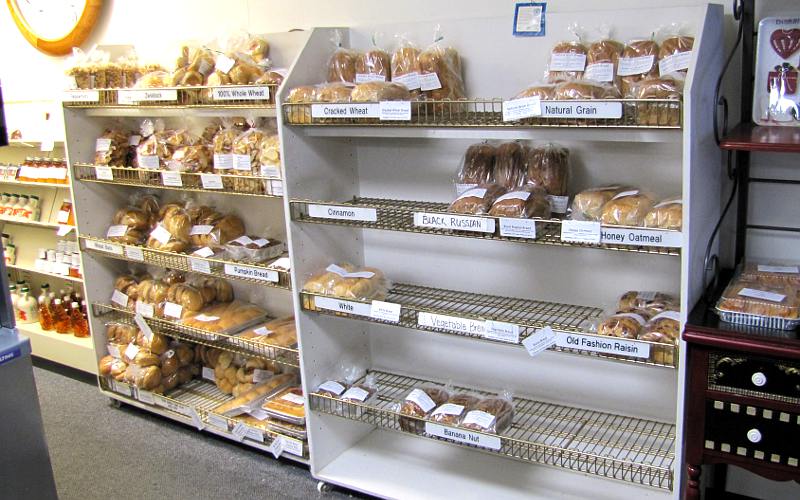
pixel 44 291
pixel 60 317
pixel 12 291
pixel 8 208
pixel 28 308
pixel 3 202
pixel 45 316
pixel 32 211
pixel 18 210
pixel 65 213
pixel 80 327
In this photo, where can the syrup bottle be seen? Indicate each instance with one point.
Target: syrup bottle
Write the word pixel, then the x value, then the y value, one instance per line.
pixel 45 317
pixel 80 327
pixel 60 317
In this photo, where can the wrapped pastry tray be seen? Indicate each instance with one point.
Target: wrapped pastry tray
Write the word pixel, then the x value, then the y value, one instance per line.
pixel 291 430
pixel 757 320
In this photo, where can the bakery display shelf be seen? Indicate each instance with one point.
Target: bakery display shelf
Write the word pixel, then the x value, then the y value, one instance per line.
pixel 64 349
pixel 479 112
pixel 31 269
pixel 512 320
pixel 191 404
pixel 211 182
pixel 223 97
pixel 751 137
pixel 31 223
pixel 618 447
pixel 15 182
pixel 287 356
pixel 408 216
pixel 261 274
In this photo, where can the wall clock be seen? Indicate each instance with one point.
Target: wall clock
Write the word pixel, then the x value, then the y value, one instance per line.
pixel 55 26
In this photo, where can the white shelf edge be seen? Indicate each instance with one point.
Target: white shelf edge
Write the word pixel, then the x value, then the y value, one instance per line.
pixel 65 349
pixel 32 223
pixel 14 182
pixel 43 273
pixel 158 111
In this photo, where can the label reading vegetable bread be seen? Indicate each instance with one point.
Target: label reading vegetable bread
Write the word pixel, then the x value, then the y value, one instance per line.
pixel 567 61
pixel 343 213
pixel 463 436
pixel 600 72
pixel 421 399
pixel 635 65
pixel 452 323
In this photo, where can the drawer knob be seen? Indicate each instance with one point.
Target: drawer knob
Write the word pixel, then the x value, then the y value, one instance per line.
pixel 758 379
pixel 754 435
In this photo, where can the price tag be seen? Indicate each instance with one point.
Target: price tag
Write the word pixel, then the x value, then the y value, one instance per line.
pixel 148 161
pixel 577 231
pixel 429 81
pixel 524 107
pixel 762 294
pixel 145 397
pixel 116 231
pixel 261 375
pixel 239 431
pixel 410 80
pixel 121 387
pixel 282 263
pixel 47 145
pixel 344 306
pixel 102 145
pixel 113 351
pixel 81 96
pixel 269 171
pixel 161 235
pixel 134 140
pixel 252 273
pixel 567 62
pixel 674 62
pixel 369 77
pixel 196 420
pixel 242 162
pixel 170 178
pixel 778 269
pixel 201 229
pixel 499 330
pixel 143 326
pixel 211 181
pixel 635 65
pixel 223 161
pixel 134 253
pixel 64 230
pixel 173 310
pixel 394 110
pixel 385 311
pixel 103 247
pixel 217 421
pixel 540 341
pixel 518 228
pixel 203 252
pixel 343 213
pixel 276 188
pixel 131 351
pixel 144 309
pixel 200 266
pixel 293 446
pixel 208 374
pixel 119 298
pixel 277 446
pixel 254 434
pixel 104 173
pixel 600 72
pixel 224 63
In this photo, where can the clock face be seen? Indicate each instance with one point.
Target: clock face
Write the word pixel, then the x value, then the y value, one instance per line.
pixel 51 19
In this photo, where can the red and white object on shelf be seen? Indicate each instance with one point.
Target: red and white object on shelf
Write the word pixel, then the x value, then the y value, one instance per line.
pixel 776 100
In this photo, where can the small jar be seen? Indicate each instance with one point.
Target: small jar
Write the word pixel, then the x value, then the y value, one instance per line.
pixel 18 210
pixel 32 208
pixel 75 266
pixel 3 202
pixel 10 254
pixel 40 264
pixel 8 208
pixel 65 213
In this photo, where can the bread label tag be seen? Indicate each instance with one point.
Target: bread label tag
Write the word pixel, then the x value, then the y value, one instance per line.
pixel 143 326
pixel 119 298
pixel 203 252
pixel 577 231
pixel 515 195
pixel 113 351
pixel 524 107
pixel 343 213
pixel 454 222
pixel 500 330
pixel 674 62
pixel 103 173
pixel 195 417
pixel 410 80
pixel 116 231
pixel 201 229
pixel 421 399
pixel 539 341
pixel 208 374
pixel 635 65
pixel 102 145
pixel 646 295
pixel 779 269
pixel 206 319
pixel 241 162
pixel 641 237
pixel 566 61
pixel 668 202
pixel 277 446
pixel 121 387
pixel 429 81
pixel 344 273
pixel 343 306
pixel 463 188
pixel 144 309
pixel 262 331
pixel 636 317
pixel 173 310
pixel 134 140
pixel 254 273
pixel 604 345
pixel 242 240
pixel 223 161
pixel 517 228
pixel 81 96
pixel 762 294
pixel 261 375
pixel 132 96
pixel 171 178
pixel 161 235
pixel 673 315
pixel 448 409
pixel 558 204
pixel 600 72
pixel 582 110
pixel 102 246
pixel 131 351
pixel 452 323
pixel 269 171
pixel 211 181
pixel 352 110
pixel 394 111
pixel 293 398
pixel 148 161
pixel 239 431
pixel 356 394
pixel 480 418
pixel 62 217
pixel 257 413
pixel 261 242
pixel 331 386
pixel 473 193
pixel 229 93
pixel 369 77
pixel 463 436
pixel 385 311
pixel 293 446
pixel 200 266
pixel 625 194
pixel 224 63
pixel 134 253
pixel 145 397
pixel 276 188
pixel 217 420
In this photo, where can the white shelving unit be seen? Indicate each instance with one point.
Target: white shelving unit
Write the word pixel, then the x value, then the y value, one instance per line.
pixel 258 201
pixel 606 428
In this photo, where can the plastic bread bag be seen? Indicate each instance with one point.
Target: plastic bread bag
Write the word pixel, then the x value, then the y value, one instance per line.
pixel 602 56
pixel 215 232
pixel 493 414
pixel 195 60
pixel 152 293
pixel 256 47
pixel 128 284
pixel 97 63
pixel 663 87
pixel 111 148
pixel 627 208
pixel 568 58
pixel 639 60
pixel 342 62
pixel 509 171
pixel 525 202
pixel 476 201
pixel 222 143
pixel 418 403
pixel 585 90
pixel 667 214
pixel 440 71
pixel 336 92
pixel 322 282
pixel 771 273
pixel 154 79
pixel 626 325
pixel 456 407
pixel 212 288
pixel 650 303
pixel 254 397
pixel 288 405
pixel 181 301
pixel 277 332
pixel 588 204
pixel 664 328
pixel 120 333
pixel 254 249
pixel 79 72
pixel 405 64
pixel 157 344
pixel 477 167
pixel 269 156
pixel 130 225
pixel 547 166
pixel 245 148
pixel 674 48
pixel 379 91
pixel 149 203
pixel 361 392
pixel 152 152
pixel 171 234
pixel 363 283
pixel 544 91
pixel 193 159
pixel 768 300
pixel 225 317
pixel 374 65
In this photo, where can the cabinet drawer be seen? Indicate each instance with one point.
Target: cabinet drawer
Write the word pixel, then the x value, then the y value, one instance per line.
pixel 772 379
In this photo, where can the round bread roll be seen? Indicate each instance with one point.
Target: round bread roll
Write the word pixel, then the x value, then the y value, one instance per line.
pixel 105 364
pixel 301 94
pixel 185 354
pixel 184 375
pixel 169 381
pixel 134 218
pixel 627 209
pixel 225 386
pixel 342 66
pixel 149 378
pixel 333 92
pixel 122 283
pixel 159 344
pixel 666 215
pixel 145 359
pixel 170 365
pixel 374 62
pixel 588 204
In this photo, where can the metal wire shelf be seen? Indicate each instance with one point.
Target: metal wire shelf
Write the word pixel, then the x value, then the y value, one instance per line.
pixel 232 184
pixel 287 356
pixel 201 96
pixel 198 397
pixel 528 315
pixel 267 276
pixel 399 215
pixel 479 112
pixel 613 446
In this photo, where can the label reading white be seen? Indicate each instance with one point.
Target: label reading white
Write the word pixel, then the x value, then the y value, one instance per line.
pixel 421 399
pixel 172 179
pixel 343 213
pixel 605 345
pixel 251 273
pixel 104 173
pixel 577 231
pixel 641 237
pixel 500 330
pixel 211 181
pixel 454 222
pixel 353 110
pixel 524 107
pixel 567 62
pixel 343 306
pixel 779 269
pixel 480 418
pixel 331 386
pixel 200 229
pixel 394 110
pixel 410 80
pixel 452 323
pixel 429 81
pixel 518 228
pixel 119 298
pixel 203 252
pixel 223 161
pixel 81 96
pixel 161 235
pixel 589 110
pixel 144 309
pixel 369 77
pixel 293 398
pixel 102 145
pixel 103 247
pixel 761 294
pixel 600 72
pixel 558 204
pixel 240 93
pixel 116 231
pixel 674 62
pixel 131 351
pixel 173 310
pixel 540 341
pixel 200 266
pixel 134 253
pixel 635 65
pixel 241 162
pixel 356 394
pixel 385 311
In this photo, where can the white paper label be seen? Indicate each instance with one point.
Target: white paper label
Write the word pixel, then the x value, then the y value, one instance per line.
pixel 113 351
pixel 480 418
pixel 116 231
pixel 173 310
pixel 251 273
pixel 172 179
pixel 674 62
pixel 134 253
pixel 605 345
pixel 223 161
pixel 641 237
pixel 224 63
pixel 102 145
pixel 103 173
pixel 540 341
pixel 131 351
pixel 429 81
pixel 394 110
pixel 200 266
pixel 196 420
pixel 463 188
pixel 119 298
pixel 635 65
pixel 577 231
pixel 673 315
pixel 421 399
pixel 343 213
pixel 208 374
pixel 646 295
pixel 331 386
pixel 762 294
pixel 385 311
pixel 62 217
pixel 517 228
pixel 134 140
pixel 277 447
pixel 206 319
pixel 240 93
pixel 356 394
pixel 344 306
pixel 261 375
pixel 452 323
pixel 211 181
pixel 214 419
pixel 133 96
pixel 103 247
pixel 293 398
pixel 145 397
pixel 524 107
pixel 243 240
pixel 589 110
pixel 282 263
pixel 600 72
pixel 500 330
pixel 121 387
pixel 200 229
pixel 448 409
pixel 161 235
pixel 258 413
pixel 81 96
pixel 269 171
pixel 241 162
pixel 454 222
pixel 276 188
pixel 293 446
pixel 463 436
pixel 149 162
pixel 239 431
pixel 353 110
pixel 203 252
pixel 567 62
pixel 144 309
pixel 558 204
pixel 262 331
pixel 778 269
pixel 410 80
pixel 369 77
